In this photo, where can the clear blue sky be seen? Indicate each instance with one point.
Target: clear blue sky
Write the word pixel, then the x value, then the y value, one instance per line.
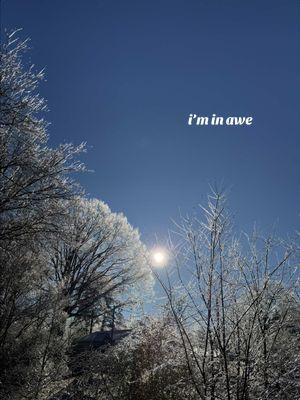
pixel 124 75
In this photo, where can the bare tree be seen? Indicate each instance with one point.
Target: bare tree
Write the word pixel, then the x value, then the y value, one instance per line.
pixel 233 308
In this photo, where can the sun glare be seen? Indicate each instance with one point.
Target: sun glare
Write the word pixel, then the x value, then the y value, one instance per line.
pixel 159 257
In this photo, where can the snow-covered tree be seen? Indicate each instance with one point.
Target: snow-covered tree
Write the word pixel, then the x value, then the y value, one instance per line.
pixel 101 265
pixel 60 255
pixel 146 365
pixel 33 176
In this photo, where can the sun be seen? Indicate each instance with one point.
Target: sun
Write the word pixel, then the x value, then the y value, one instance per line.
pixel 159 257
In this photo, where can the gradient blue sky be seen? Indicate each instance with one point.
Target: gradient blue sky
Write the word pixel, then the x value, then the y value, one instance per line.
pixel 124 75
